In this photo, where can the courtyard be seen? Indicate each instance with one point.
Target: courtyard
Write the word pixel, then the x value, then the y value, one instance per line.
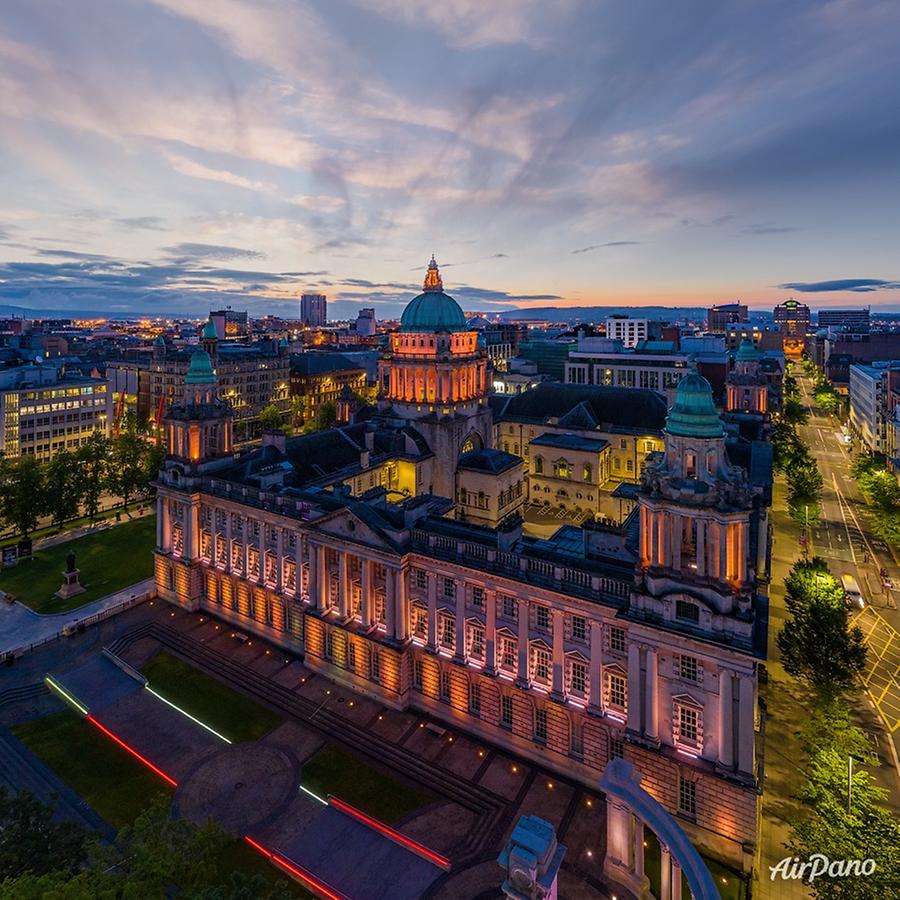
pixel 109 560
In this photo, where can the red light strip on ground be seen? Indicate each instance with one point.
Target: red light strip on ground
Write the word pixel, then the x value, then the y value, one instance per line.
pixel 307 878
pixel 132 751
pixel 391 833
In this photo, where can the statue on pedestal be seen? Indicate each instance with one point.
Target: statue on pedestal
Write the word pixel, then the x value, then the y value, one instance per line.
pixel 71 585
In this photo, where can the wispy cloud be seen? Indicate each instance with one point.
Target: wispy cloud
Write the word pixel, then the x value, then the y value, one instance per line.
pixel 591 247
pixel 768 228
pixel 857 285
pixel 189 250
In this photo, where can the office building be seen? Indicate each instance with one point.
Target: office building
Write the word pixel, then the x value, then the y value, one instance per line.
pixel 793 319
pixel 718 318
pixel 230 324
pixel 855 320
pixel 627 330
pixel 872 389
pixel 313 312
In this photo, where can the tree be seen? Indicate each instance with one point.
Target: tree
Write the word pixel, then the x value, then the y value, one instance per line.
pixel 125 471
pixel 63 487
pixel 795 412
pixel 860 829
pixel 24 495
pixel 817 642
pixel 327 415
pixel 270 418
pixel 92 463
pixel 153 460
pixel 31 841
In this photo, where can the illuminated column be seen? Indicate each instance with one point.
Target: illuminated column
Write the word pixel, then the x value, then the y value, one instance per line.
pixel 160 524
pixel 726 726
pixel 676 881
pixel 323 587
pixel 701 549
pixel 596 669
pixel 366 610
pixel 390 601
pixel 432 611
pixel 723 552
pixel 279 560
pixel 343 585
pixel 490 632
pixel 638 826
pixel 313 552
pixel 654 537
pixel 401 623
pixel 746 736
pixel 522 673
pixel 645 536
pixel 675 534
pixel 228 561
pixel 298 567
pixel 634 688
pixel 460 649
pixel 663 546
pixel 665 873
pixel 558 653
pixel 745 551
pixel 651 715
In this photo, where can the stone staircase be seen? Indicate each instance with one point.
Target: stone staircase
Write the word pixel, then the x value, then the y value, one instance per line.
pixel 494 813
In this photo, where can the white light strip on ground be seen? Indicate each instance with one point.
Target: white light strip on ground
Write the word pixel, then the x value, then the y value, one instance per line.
pixel 187 714
pixel 314 796
pixel 65 695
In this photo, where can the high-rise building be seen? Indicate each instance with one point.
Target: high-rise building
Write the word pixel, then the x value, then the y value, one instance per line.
pixel 627 330
pixel 230 324
pixel 855 320
pixel 313 310
pixel 793 317
pixel 365 322
pixel 719 317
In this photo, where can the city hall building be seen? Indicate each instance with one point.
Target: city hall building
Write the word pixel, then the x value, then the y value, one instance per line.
pixel 642 641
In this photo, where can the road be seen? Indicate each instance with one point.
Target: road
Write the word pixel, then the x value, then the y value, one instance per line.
pixel 844 538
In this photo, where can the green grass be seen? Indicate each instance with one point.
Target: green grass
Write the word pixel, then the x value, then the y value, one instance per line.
pixel 114 783
pixel 232 714
pixel 108 560
pixel 81 521
pixel 334 771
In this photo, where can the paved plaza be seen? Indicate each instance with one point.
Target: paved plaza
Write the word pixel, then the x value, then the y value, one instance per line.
pixel 479 790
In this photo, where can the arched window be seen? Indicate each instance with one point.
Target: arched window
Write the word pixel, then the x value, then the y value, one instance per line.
pixel 563 469
pixel 690 464
pixel 588 473
pixel 539 465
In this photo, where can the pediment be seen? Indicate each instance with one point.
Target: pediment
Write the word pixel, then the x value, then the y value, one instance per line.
pixel 346 525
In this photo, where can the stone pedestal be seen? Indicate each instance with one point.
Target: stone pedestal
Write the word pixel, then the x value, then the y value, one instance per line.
pixel 532 859
pixel 71 586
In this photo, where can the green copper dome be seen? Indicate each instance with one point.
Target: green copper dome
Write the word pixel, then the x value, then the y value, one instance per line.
pixel 201 370
pixel 747 352
pixel 694 414
pixel 209 330
pixel 433 310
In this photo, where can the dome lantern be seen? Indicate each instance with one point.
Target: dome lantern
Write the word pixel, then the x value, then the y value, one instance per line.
pixel 694 415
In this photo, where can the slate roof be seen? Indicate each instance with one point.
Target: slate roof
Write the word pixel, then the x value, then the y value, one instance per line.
pixel 612 407
pixel 322 363
pixel 570 442
pixel 487 460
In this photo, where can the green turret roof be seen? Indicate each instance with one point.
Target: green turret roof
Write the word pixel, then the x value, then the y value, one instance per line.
pixel 159 341
pixel 201 370
pixel 694 414
pixel 747 352
pixel 433 310
pixel 209 331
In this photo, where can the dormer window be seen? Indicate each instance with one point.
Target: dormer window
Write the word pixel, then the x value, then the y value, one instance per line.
pixel 690 464
pixel 687 612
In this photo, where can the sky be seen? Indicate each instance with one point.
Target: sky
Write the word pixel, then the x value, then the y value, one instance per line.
pixel 175 155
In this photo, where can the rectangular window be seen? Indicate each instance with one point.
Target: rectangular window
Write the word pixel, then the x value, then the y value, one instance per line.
pixel 617 639
pixel 542 616
pixel 688 612
pixel 376 665
pixel 351 655
pixel 475 697
pixel 506 711
pixel 508 651
pixel 420 622
pixel 476 646
pixel 510 608
pixel 579 677
pixel 253 562
pixel 688 725
pixel 449 588
pixel 688 668
pixel 579 628
pixel 687 796
pixel 418 674
pixel 540 668
pixel 448 627
pixel 616 748
pixel 445 685
pixel 478 597
pixel 421 579
pixel 618 691
pixel 540 724
pixel 329 645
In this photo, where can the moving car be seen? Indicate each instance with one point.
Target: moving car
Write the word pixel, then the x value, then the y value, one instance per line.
pixel 852 592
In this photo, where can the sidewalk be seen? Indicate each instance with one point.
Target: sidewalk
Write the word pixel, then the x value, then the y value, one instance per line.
pixel 21 627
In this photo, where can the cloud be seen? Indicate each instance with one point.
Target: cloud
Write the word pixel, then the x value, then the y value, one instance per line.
pixel 859 285
pixel 592 247
pixel 768 228
pixel 138 223
pixel 194 169
pixel 190 250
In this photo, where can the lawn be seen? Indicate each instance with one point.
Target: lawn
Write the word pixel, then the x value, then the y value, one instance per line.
pixel 334 771
pixel 232 714
pixel 115 784
pixel 112 782
pixel 109 560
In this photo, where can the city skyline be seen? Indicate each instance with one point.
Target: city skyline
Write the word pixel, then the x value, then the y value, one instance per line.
pixel 572 157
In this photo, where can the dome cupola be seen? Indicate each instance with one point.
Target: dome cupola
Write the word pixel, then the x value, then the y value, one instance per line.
pixel 433 311
pixel 694 415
